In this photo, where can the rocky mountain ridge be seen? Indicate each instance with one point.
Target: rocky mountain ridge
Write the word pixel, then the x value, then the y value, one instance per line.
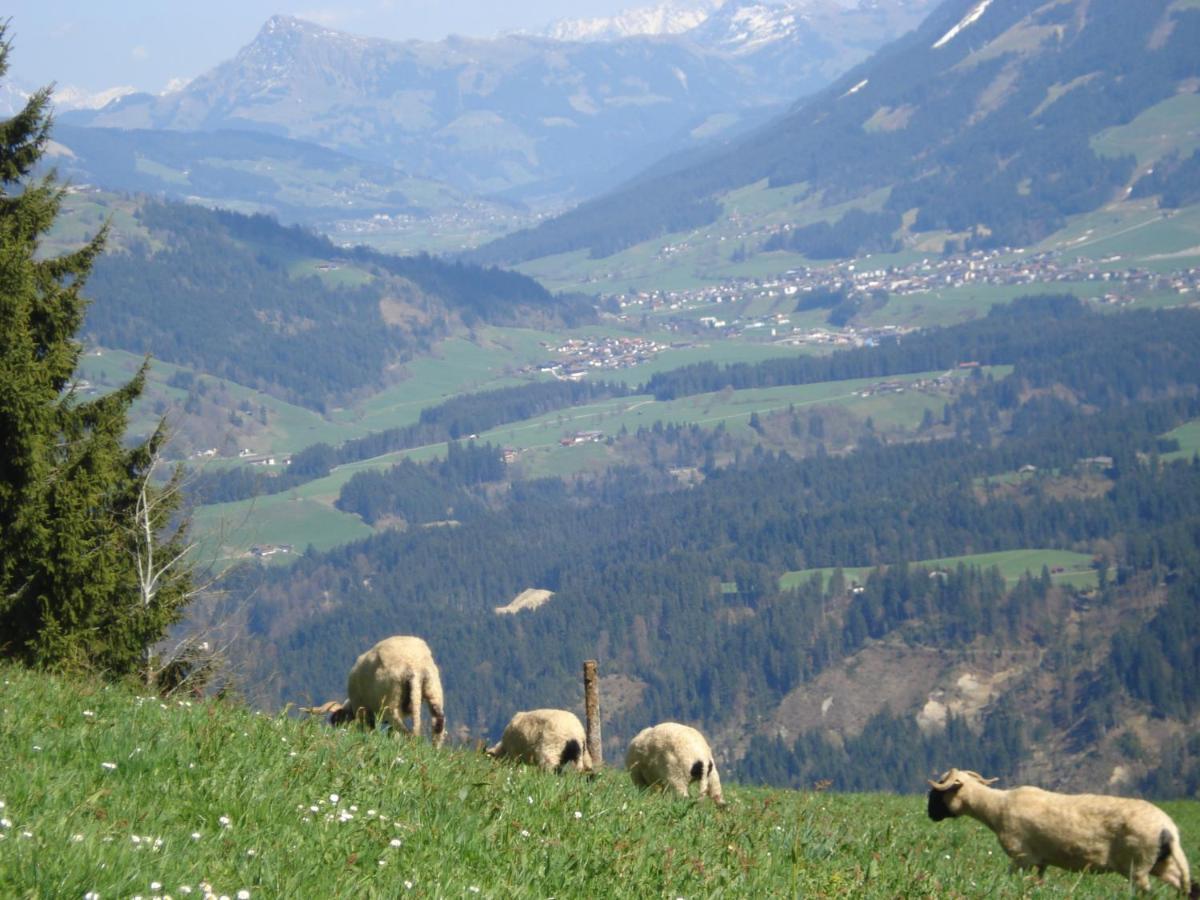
pixel 521 115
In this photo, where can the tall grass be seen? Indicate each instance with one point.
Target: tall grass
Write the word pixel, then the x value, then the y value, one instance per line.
pixel 114 795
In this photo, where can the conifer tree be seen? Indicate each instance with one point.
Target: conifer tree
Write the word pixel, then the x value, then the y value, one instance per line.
pixel 79 512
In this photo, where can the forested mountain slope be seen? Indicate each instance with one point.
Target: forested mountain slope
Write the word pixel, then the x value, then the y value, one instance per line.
pixel 283 309
pixel 979 123
pixel 245 170
pixel 677 592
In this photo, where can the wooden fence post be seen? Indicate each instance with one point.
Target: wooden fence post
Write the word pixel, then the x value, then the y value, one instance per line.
pixel 591 704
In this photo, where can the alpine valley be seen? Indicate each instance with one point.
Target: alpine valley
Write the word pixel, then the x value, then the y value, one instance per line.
pixel 829 372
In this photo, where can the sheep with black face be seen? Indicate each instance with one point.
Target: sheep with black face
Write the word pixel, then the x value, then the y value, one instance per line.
pixel 670 755
pixel 392 680
pixel 1077 832
pixel 547 738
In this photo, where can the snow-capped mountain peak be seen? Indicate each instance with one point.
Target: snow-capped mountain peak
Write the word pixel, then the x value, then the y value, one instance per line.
pixel 666 18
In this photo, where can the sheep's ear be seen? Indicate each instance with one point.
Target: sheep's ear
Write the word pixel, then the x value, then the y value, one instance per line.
pixel 946 786
pixel 329 707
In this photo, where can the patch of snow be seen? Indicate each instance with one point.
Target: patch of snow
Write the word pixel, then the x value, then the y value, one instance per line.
pixel 69 97
pixel 969 19
pixel 668 18
pixel 858 87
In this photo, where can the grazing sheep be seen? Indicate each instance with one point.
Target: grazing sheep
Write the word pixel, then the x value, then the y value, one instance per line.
pixel 1040 828
pixel 392 679
pixel 548 738
pixel 673 755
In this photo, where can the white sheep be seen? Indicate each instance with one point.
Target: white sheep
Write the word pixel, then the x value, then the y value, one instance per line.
pixel 391 680
pixel 673 755
pixel 1077 832
pixel 548 738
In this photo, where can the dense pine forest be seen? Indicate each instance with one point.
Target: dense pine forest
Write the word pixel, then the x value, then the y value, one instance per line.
pixel 677 590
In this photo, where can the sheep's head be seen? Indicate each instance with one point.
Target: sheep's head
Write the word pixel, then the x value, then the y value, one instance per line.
pixel 945 794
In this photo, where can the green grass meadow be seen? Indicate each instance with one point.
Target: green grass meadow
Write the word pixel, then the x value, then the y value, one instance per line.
pixel 306 514
pixel 1188 436
pixel 1076 567
pixel 107 794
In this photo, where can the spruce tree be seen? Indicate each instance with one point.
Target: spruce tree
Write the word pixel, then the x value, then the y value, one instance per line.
pixel 80 515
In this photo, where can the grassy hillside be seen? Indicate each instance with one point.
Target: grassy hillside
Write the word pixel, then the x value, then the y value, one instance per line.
pixel 105 793
pixel 306 514
pixel 1064 565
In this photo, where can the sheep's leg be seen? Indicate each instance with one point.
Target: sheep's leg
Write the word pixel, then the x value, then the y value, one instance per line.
pixel 432 692
pixel 680 783
pixel 414 699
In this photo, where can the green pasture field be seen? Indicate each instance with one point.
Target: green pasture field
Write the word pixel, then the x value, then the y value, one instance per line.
pixel 290 428
pixel 1163 128
pixel 342 276
pixel 457 366
pixel 1011 563
pixel 82 216
pixel 226 531
pixel 702 257
pixel 955 305
pixel 109 794
pixel 1136 232
pixel 306 514
pixel 1188 436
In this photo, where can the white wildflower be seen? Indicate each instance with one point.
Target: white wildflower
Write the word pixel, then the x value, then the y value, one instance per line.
pixel 243 894
pixel 225 822
pixel 395 842
pixel 108 765
pixel 578 814
pixel 89 714
pixel 195 835
pixel 156 886
pixel 408 885
pixel 77 838
pixel 333 798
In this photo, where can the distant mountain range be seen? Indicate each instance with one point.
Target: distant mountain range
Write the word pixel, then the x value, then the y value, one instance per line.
pixel 521 115
pixel 984 124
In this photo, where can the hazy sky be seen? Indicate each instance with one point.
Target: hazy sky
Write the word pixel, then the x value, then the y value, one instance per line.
pixel 99 44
